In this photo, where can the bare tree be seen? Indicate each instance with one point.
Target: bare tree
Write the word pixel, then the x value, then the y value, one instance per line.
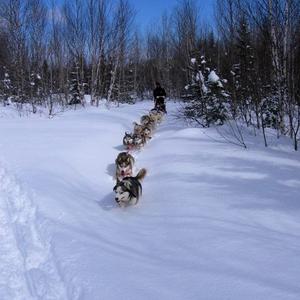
pixel 16 29
pixel 98 34
pixel 186 22
pixel 119 39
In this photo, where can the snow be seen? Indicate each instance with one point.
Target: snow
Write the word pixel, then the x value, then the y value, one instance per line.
pixel 215 221
pixel 27 266
pixel 204 88
pixel 213 77
pixel 225 94
pixel 193 60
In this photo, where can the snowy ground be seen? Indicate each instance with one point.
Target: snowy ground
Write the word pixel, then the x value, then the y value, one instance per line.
pixel 215 221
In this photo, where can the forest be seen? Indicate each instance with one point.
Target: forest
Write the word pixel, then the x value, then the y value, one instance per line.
pixel 244 67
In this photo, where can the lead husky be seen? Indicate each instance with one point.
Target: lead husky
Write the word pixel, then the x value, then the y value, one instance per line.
pixel 129 190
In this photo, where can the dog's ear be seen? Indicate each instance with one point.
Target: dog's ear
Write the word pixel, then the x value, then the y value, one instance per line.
pixel 131 161
pixel 115 188
pixel 130 158
pixel 127 184
pixel 134 191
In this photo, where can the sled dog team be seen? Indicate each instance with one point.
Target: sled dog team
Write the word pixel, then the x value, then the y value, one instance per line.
pixel 128 188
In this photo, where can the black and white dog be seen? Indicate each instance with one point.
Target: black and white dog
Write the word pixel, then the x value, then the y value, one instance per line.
pixel 129 190
pixel 128 140
pixel 133 141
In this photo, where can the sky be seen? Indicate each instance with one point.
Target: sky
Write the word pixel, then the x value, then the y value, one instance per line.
pixel 148 11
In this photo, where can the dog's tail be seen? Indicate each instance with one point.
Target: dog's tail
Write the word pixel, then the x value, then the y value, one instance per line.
pixel 141 174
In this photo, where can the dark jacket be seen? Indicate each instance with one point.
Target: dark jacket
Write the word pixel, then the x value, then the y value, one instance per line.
pixel 159 92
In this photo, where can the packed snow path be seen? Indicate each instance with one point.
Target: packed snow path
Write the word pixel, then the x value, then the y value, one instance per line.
pixel 215 221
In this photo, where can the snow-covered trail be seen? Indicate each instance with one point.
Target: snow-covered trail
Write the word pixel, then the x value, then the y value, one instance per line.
pixel 27 266
pixel 215 221
pixel 12 281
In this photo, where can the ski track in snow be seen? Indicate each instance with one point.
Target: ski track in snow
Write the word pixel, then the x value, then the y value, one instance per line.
pixel 28 270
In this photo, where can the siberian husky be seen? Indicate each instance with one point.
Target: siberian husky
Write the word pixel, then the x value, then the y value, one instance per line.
pixel 129 190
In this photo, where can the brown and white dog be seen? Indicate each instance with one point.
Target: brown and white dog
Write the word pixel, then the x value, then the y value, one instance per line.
pixel 129 190
pixel 147 133
pixel 124 165
pixel 137 129
pixel 156 116
pixel 147 121
pixel 139 141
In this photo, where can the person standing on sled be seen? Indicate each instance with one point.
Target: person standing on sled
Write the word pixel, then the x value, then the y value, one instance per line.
pixel 159 95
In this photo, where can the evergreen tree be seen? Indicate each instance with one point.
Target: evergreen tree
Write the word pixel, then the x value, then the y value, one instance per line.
pixel 6 88
pixel 216 100
pixel 270 112
pixel 75 87
pixel 126 86
pixel 35 90
pixel 244 73
pixel 207 99
pixel 35 84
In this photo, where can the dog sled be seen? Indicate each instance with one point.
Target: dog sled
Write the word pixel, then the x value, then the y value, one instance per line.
pixel 160 104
